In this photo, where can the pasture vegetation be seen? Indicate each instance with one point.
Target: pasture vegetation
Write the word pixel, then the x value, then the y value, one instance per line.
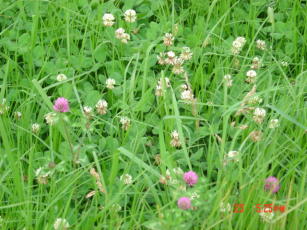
pixel 104 109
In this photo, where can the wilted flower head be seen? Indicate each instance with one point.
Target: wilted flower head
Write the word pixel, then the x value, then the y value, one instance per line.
pixel 228 80
pixel 61 105
pixel 126 179
pixel 61 224
pixel 184 203
pixel 272 184
pixel 96 175
pixel 130 15
pixel 108 19
pixel 256 63
pixel 186 53
pixel 175 142
pixel 255 136
pixel 51 118
pixel 190 178
pixel 110 82
pixel 125 121
pixel 35 128
pixel 61 77
pixel 260 44
pixel 101 107
pixel 168 39
pixel 251 76
pixel 259 115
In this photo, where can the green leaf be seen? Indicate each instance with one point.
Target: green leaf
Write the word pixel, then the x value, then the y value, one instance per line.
pixel 100 53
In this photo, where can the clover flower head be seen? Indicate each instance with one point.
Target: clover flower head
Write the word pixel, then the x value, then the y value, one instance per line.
pixel 108 20
pixel 61 77
pixel 272 184
pixel 61 224
pixel 190 178
pixel 61 105
pixel 130 15
pixel 110 82
pixel 184 203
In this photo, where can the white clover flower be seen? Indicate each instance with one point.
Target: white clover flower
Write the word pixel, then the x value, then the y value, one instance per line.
pixel 126 179
pixel 3 107
pixel 194 196
pixel 161 58
pixel 159 91
pixel 177 66
pixel 119 33
pixel 102 106
pixel 259 115
pixel 116 207
pixel 173 181
pixel 178 171
pixel 108 19
pixel 125 121
pixel 251 76
pixel 241 40
pixel 237 45
pixel 110 82
pixel 125 38
pixel 274 123
pixel 170 59
pixel 284 63
pixel 228 80
pixel 166 82
pixel 225 207
pixel 175 142
pixel 87 110
pixel 61 77
pixel 267 216
pixel 186 53
pixel 18 115
pixel 130 16
pixel 232 154
pixel 61 224
pixel 187 95
pixel 51 118
pixel 168 39
pixel 260 44
pixel 35 128
pixel 184 86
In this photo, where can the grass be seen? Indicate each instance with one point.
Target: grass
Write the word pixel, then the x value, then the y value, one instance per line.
pixel 40 39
